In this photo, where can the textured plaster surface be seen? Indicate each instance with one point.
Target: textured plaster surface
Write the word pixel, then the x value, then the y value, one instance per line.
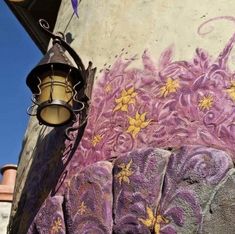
pixel 165 80
pixel 105 27
pixel 33 136
pixel 220 212
pixel 5 209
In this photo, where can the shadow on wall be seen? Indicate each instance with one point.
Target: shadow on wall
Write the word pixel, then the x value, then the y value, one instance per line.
pixel 46 175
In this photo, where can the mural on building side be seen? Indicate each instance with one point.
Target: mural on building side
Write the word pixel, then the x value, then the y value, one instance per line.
pixel 167 104
pixel 118 179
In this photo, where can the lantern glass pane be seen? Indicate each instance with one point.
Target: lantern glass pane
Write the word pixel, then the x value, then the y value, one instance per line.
pixel 56 88
pixel 55 100
pixel 55 114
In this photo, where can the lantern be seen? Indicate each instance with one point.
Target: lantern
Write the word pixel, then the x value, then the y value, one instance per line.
pixel 55 83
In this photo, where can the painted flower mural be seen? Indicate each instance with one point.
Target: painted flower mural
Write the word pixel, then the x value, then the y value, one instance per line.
pixel 156 151
pixel 166 105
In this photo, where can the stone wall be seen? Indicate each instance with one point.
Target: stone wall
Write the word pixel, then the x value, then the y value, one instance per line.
pixel 159 141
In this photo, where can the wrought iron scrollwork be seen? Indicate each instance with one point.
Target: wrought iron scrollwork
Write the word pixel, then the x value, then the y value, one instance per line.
pixel 82 98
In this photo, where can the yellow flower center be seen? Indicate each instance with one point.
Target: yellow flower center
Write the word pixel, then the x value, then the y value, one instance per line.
pixel 127 97
pixel 154 222
pixel 137 123
pixel 206 102
pixel 108 88
pixel 171 86
pixel 125 172
pixel 231 91
pixel 57 225
pixel 96 139
pixel 82 208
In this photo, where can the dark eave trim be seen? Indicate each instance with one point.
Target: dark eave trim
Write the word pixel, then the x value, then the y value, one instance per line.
pixel 28 16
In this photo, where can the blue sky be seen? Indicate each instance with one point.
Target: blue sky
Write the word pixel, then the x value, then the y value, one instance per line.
pixel 18 55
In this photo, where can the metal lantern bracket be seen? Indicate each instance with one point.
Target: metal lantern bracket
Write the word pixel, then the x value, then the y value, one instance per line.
pixel 82 88
pixel 59 39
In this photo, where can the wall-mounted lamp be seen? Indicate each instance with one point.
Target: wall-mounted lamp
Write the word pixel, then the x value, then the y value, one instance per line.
pixel 56 84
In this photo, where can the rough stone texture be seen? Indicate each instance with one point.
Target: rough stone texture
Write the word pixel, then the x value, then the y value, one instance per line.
pixel 91 211
pixel 138 180
pixel 169 96
pixel 5 209
pixel 50 218
pixel 192 176
pixel 220 213
pixel 146 191
pixel 86 206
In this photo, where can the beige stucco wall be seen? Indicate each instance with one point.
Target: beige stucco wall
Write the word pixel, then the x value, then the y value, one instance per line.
pixel 5 208
pixel 105 27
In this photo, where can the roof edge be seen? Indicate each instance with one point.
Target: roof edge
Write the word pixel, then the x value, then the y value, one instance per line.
pixel 27 14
